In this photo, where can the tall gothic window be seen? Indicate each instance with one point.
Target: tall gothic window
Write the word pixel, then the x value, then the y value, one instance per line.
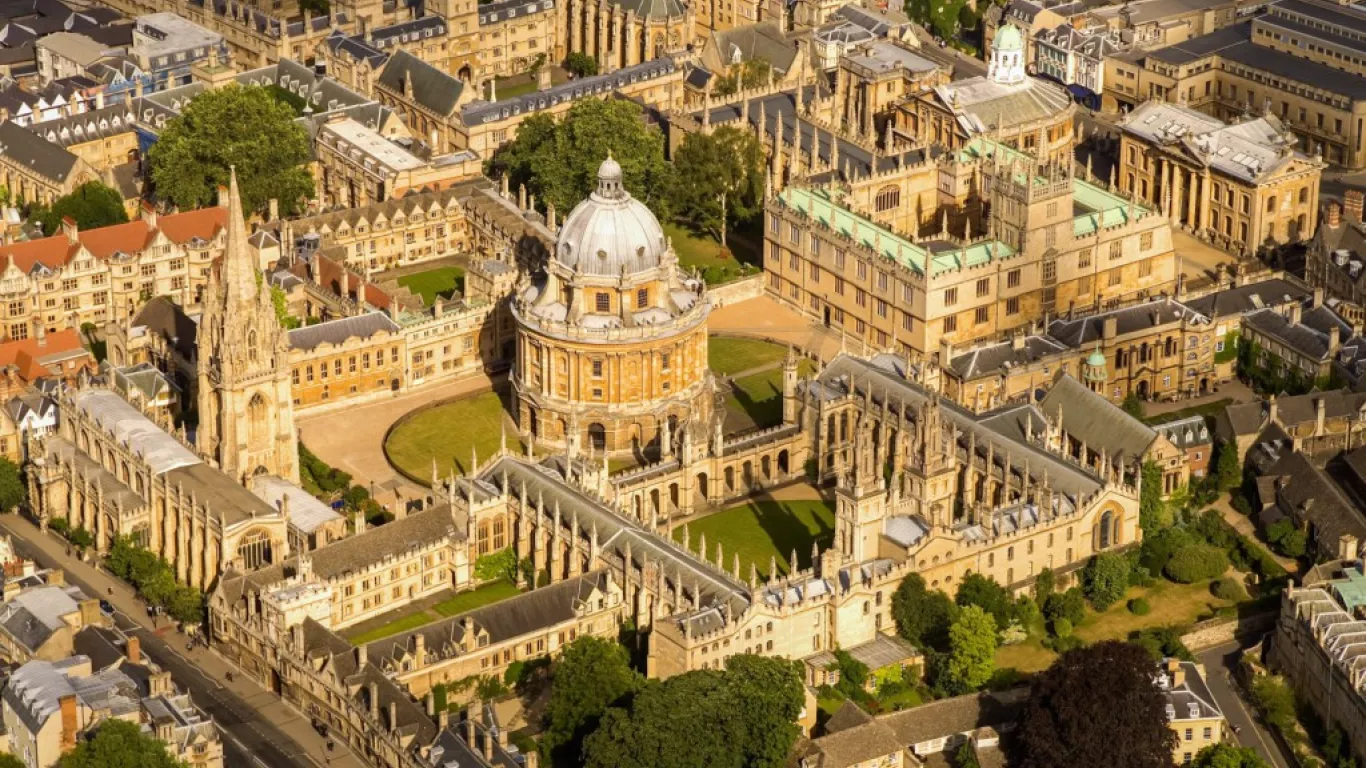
pixel 254 550
pixel 257 418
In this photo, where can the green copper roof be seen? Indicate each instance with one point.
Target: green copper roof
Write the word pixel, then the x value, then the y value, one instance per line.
pixel 818 204
pixel 1351 590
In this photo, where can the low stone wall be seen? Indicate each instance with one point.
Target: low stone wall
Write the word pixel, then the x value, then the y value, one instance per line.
pixel 1216 632
pixel 744 288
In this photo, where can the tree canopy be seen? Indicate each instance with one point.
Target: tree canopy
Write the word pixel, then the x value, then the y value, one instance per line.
pixel 8 760
pixel 1097 705
pixel 558 160
pixel 581 65
pixel 719 179
pixel 922 615
pixel 590 676
pixel 13 489
pixel 1226 755
pixel 92 204
pixel 241 127
pixel 743 717
pixel 972 652
pixel 984 592
pixel 119 744
pixel 1105 579
pixel 1228 471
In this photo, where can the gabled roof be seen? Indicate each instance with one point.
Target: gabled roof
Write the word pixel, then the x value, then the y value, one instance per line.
pixel 27 149
pixel 338 331
pixel 430 87
pixel 103 242
pixel 1095 421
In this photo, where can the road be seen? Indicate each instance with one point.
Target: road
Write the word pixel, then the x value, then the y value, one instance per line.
pixel 1220 663
pixel 248 738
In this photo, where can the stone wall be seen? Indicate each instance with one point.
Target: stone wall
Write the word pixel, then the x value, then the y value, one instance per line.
pixel 736 290
pixel 1220 631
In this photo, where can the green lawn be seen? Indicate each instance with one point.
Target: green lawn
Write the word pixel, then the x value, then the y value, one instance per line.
pixel 447 432
pixel 442 282
pixel 454 606
pixel 511 88
pixel 1172 604
pixel 758 397
pixel 728 356
pixel 762 530
pixel 704 253
pixel 468 601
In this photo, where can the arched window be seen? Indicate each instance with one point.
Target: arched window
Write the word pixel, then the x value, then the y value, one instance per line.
pixel 254 549
pixel 258 427
pixel 1105 534
pixel 888 197
pixel 251 345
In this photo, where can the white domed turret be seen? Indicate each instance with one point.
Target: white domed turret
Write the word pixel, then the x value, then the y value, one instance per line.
pixel 610 232
pixel 1007 56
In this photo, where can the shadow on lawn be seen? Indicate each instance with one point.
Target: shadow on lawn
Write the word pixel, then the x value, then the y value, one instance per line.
pixel 788 532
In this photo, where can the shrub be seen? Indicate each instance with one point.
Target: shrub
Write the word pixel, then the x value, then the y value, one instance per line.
pixel 1196 562
pixel 1062 628
pixel 1162 642
pixel 1229 588
pixel 1105 579
pixel 1139 607
pixel 1159 547
pixel 1070 605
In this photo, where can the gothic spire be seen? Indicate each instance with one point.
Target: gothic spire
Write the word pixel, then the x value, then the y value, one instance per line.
pixel 239 277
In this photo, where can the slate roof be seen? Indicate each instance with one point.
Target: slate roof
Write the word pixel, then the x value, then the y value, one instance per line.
pixel 481 111
pixel 1242 299
pixel 503 620
pixel 356 552
pixel 757 41
pixel 1292 410
pixel 1192 699
pixel 1186 433
pixel 993 359
pixel 29 150
pixel 1309 493
pixel 1096 421
pixel 31 617
pixel 166 319
pixel 653 9
pixel 1309 337
pixel 339 331
pixel 1076 333
pixel 1235 44
pixel 306 512
pixel 431 88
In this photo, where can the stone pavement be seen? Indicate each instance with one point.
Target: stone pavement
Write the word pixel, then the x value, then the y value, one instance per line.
pixel 271 721
pixel 1198 259
pixel 352 439
pixel 1234 390
pixel 764 317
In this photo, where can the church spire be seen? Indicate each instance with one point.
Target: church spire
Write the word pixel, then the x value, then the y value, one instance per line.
pixel 239 275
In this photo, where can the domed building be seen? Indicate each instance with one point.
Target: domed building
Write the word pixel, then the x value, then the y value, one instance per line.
pixel 1026 112
pixel 611 337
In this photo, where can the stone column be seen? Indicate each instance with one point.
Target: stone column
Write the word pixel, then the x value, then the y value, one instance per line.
pixel 632 39
pixel 575 25
pixel 1192 201
pixel 1205 193
pixel 601 52
pixel 1176 195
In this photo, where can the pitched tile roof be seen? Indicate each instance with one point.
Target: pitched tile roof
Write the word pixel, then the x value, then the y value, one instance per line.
pixel 1094 420
pixel 27 149
pixel 103 242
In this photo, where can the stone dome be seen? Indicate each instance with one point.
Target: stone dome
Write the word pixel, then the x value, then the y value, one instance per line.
pixel 611 232
pixel 1007 39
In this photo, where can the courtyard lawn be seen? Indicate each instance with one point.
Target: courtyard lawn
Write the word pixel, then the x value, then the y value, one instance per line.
pixel 448 432
pixel 477 598
pixel 761 530
pixel 704 254
pixel 758 397
pixel 462 602
pixel 728 356
pixel 442 282
pixel 1172 605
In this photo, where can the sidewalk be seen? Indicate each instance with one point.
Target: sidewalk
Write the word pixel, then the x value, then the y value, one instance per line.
pixel 1244 525
pixel 266 706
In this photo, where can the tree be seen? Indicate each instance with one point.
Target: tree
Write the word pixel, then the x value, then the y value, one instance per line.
pixel 1286 539
pixel 581 65
pixel 281 303
pixel 1228 473
pixel 1133 406
pixel 741 717
pixel 558 160
pixel 985 593
pixel 1044 585
pixel 1225 755
pixel 119 744
pixel 92 204
pixel 719 179
pixel 1105 579
pixel 234 127
pixel 1196 562
pixel 972 652
pixel 966 756
pixel 13 489
pixel 922 615
pixel 590 676
pixel 1151 511
pixel 1097 705
pixel 497 565
pixel 8 760
pixel 186 605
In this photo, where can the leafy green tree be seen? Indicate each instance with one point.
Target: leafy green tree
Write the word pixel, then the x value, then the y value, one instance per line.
pixel 966 756
pixel 719 180
pixel 8 760
pixel 1275 701
pixel 558 160
pixel 1286 539
pixel 497 565
pixel 1228 472
pixel 746 75
pixel 985 593
pixel 80 538
pixel 581 65
pixel 237 126
pixel 1044 585
pixel 1196 562
pixel 1105 579
pixel 316 7
pixel 741 717
pixel 1162 643
pixel 92 204
pixel 13 489
pixel 1151 511
pixel 972 652
pixel 1226 755
pixel 1070 605
pixel 590 676
pixel 853 674
pixel 1133 406
pixel 922 615
pixel 1097 705
pixel 119 744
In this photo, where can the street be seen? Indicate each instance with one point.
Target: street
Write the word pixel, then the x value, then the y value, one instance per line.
pixel 1220 664
pixel 253 721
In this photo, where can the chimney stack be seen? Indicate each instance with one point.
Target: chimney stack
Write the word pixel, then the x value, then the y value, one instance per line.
pixel 1352 205
pixel 134 649
pixel 69 721
pixel 1334 214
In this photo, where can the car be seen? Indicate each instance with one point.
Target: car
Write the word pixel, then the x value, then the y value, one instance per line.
pixel 107 607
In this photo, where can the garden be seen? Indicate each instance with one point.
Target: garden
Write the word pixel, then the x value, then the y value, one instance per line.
pixel 451 433
pixel 433 284
pixel 764 534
